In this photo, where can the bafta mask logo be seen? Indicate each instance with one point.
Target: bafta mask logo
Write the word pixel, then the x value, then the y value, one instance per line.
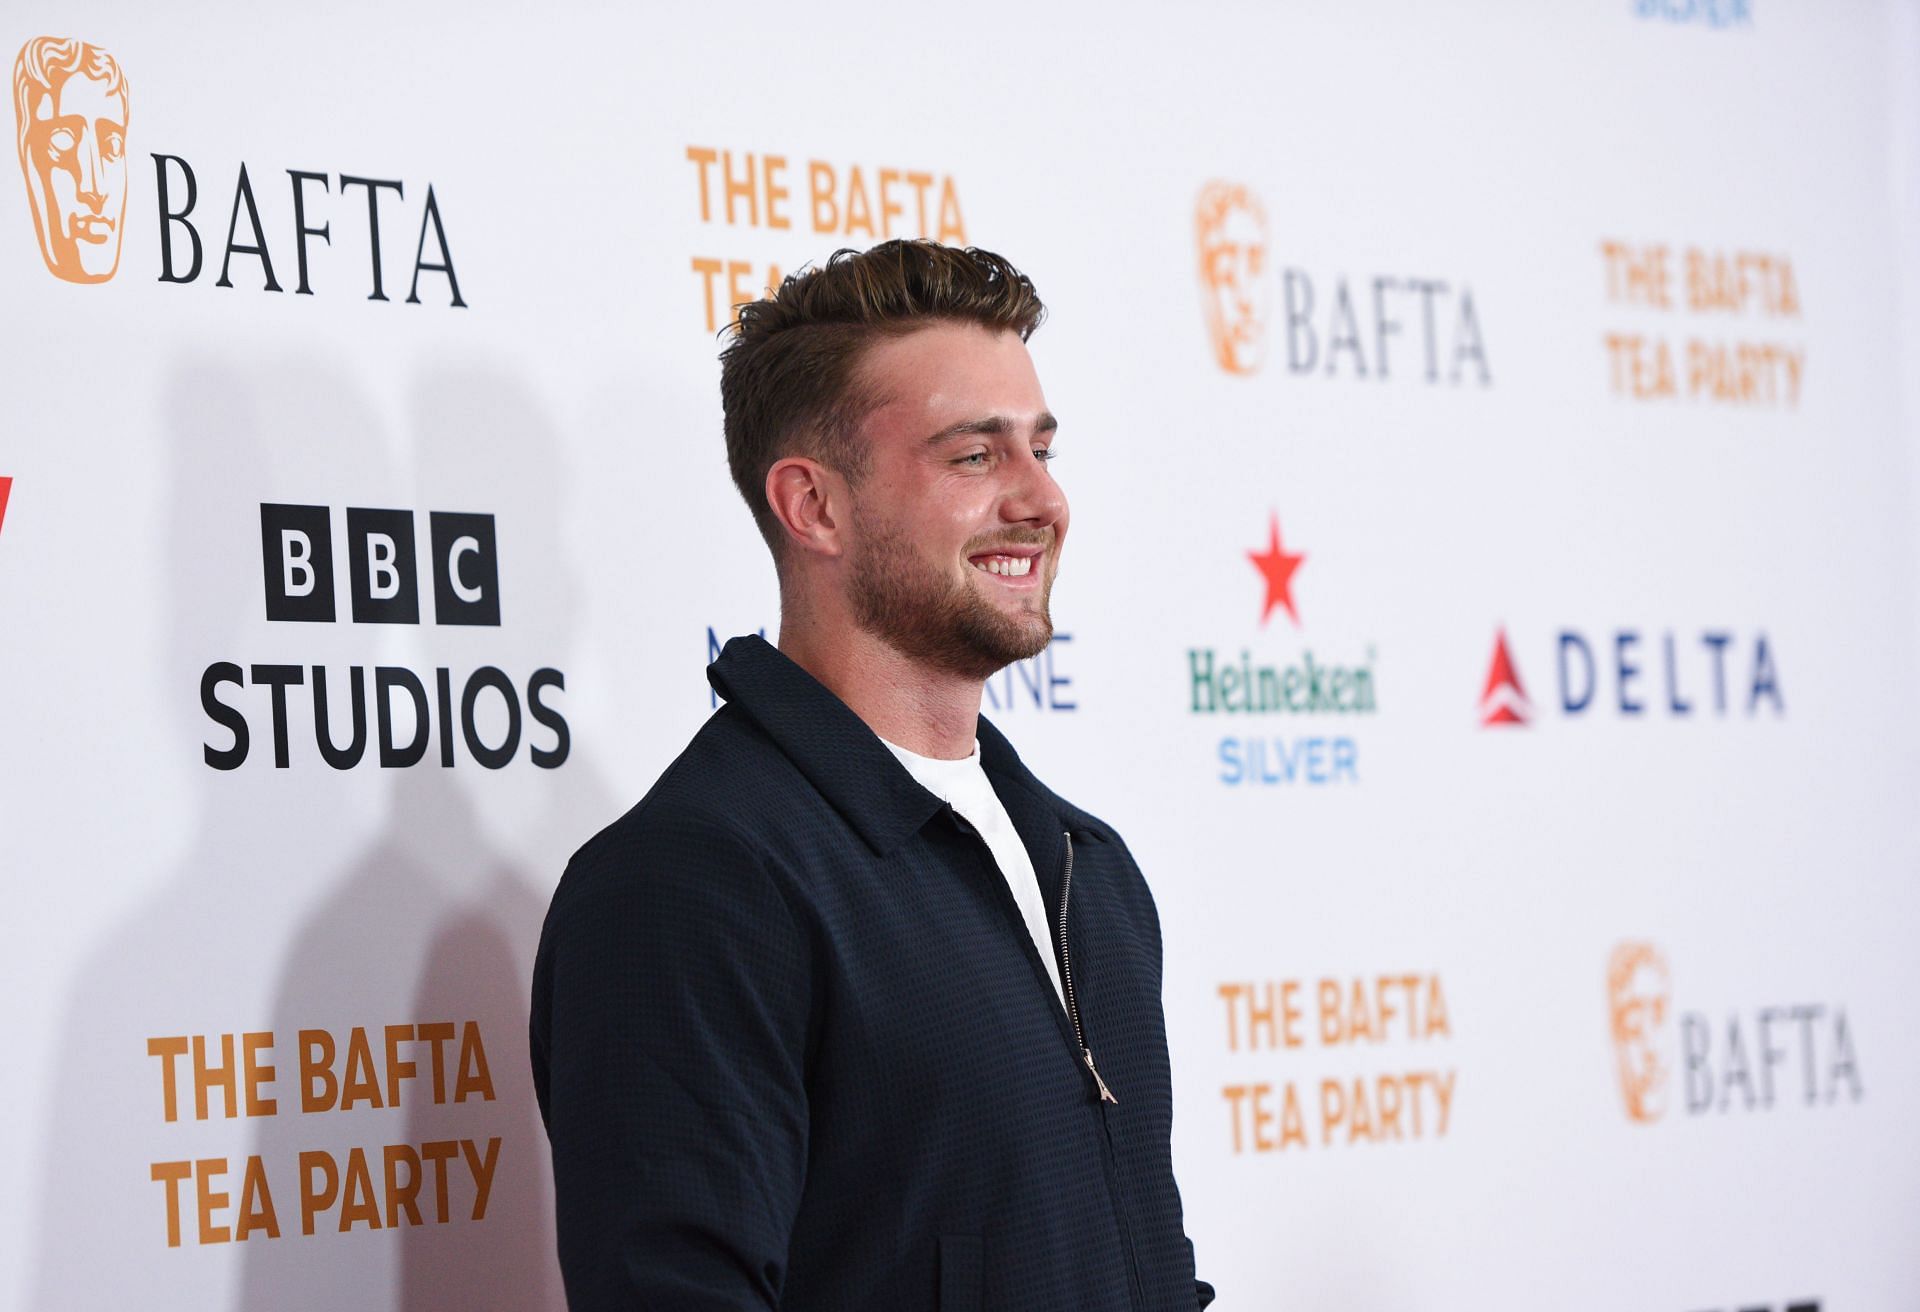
pixel 1230 230
pixel 70 102
pixel 1638 989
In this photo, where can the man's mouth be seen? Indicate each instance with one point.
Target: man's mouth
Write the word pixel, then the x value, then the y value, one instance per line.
pixel 95 228
pixel 1014 563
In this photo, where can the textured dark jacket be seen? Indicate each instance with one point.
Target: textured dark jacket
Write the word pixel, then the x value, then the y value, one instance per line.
pixel 795 1048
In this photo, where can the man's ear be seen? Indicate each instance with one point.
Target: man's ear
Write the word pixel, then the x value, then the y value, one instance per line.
pixel 808 501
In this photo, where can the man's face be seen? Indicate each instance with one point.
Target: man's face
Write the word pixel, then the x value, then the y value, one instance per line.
pixel 76 168
pixel 1233 264
pixel 955 531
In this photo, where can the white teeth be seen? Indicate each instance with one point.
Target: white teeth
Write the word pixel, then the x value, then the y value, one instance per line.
pixel 1010 566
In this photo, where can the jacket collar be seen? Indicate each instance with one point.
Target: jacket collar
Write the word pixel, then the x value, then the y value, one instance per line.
pixel 822 736
pixel 1004 765
pixel 845 759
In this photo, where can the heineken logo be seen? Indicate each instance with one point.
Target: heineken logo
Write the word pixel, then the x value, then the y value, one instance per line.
pixel 1273 676
pixel 1303 687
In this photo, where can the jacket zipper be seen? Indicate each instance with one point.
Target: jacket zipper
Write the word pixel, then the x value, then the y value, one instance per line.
pixel 1066 980
pixel 1136 1297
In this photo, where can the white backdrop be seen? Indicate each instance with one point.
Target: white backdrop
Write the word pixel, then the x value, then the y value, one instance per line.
pixel 1706 592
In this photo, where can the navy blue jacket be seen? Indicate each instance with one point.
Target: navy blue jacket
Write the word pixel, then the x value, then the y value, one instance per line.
pixel 795 1048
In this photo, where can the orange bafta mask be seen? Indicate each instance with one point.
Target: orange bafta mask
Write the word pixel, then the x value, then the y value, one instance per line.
pixel 70 104
pixel 1638 989
pixel 1230 230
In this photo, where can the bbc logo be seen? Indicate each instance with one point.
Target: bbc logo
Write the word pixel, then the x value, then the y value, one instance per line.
pixel 296 551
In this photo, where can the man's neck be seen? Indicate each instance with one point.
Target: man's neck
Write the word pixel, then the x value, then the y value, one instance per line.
pixel 930 712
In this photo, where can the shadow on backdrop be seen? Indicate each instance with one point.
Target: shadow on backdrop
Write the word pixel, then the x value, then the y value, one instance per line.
pixel 193 955
pixel 429 920
pixel 437 924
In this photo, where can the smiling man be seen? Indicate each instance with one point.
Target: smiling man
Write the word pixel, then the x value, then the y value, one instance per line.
pixel 852 1011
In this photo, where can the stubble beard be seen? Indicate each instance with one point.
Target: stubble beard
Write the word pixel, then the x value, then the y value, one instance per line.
pixel 937 620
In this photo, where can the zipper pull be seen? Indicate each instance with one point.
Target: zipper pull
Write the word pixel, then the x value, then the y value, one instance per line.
pixel 1106 1094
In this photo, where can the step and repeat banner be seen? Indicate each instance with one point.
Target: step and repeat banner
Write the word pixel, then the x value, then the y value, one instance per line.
pixel 1491 612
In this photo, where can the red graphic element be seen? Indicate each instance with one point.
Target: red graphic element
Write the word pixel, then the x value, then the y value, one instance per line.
pixel 1503 700
pixel 6 486
pixel 1277 567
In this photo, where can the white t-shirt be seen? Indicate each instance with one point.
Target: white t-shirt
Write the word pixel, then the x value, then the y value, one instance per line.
pixel 964 786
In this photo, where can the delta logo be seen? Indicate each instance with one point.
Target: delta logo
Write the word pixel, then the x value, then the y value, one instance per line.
pixel 1714 674
pixel 1762 1058
pixel 1384 327
pixel 72 105
pixel 1281 678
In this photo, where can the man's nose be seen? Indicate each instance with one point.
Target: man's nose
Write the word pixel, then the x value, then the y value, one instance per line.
pixel 1033 497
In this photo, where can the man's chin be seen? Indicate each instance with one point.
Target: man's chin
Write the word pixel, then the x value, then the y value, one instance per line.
pixel 984 644
pixel 973 627
pixel 1010 644
pixel 1016 621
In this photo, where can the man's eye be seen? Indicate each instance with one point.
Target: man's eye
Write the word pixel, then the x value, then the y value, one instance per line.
pixel 1043 454
pixel 973 458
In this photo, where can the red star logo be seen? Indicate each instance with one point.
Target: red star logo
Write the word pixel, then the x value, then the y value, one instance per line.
pixel 1277 568
pixel 1503 701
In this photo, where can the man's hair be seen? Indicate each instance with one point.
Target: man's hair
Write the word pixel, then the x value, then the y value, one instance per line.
pixel 789 378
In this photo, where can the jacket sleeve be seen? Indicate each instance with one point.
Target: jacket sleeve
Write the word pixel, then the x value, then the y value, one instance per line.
pixel 669 1027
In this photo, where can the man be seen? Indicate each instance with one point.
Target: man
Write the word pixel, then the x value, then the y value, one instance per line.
pixel 851 1011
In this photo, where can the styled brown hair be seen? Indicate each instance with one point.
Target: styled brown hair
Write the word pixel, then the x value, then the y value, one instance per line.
pixel 789 380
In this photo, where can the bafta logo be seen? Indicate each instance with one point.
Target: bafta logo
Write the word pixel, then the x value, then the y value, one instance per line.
pixel 1638 989
pixel 1230 230
pixel 70 103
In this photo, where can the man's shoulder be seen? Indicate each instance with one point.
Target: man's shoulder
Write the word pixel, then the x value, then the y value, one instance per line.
pixel 664 886
pixel 710 801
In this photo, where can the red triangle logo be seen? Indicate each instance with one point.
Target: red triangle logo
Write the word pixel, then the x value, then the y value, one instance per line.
pixel 1504 699
pixel 6 486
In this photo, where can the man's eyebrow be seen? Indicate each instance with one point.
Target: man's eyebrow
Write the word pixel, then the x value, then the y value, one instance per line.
pixel 993 426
